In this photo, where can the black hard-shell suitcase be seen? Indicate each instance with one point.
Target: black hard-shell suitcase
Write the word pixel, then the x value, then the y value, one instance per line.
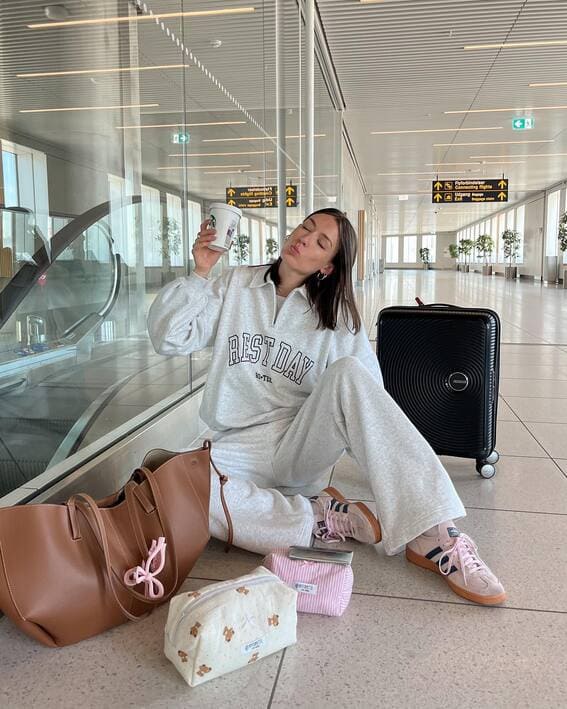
pixel 441 365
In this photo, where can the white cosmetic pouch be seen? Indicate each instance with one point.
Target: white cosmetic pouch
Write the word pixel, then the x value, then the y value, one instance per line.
pixel 229 625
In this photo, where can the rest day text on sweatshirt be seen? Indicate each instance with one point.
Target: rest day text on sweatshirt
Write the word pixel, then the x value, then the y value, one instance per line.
pixel 265 361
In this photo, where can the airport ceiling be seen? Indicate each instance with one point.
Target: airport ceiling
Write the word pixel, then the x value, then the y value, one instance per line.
pixel 401 65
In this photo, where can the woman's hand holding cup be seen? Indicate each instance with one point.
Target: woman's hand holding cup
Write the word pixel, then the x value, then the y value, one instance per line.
pixel 204 257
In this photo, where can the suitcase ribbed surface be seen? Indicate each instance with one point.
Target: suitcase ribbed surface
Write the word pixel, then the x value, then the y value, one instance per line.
pixel 423 354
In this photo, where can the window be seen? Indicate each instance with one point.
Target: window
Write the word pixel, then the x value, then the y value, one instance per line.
pixel 25 185
pixel 495 236
pixel 476 234
pixel 194 219
pixel 254 245
pixel 410 248
pixel 552 223
pixel 10 178
pixel 563 208
pixel 273 234
pixel 429 241
pixel 151 226
pixel 244 227
pixel 123 236
pixel 520 225
pixel 501 228
pixel 175 229
pixel 392 249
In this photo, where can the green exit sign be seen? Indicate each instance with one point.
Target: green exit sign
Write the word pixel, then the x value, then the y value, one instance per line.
pixel 523 123
pixel 180 138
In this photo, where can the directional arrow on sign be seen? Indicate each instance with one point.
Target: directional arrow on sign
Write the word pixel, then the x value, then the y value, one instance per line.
pixel 437 197
pixel 231 202
pixel 502 196
pixel 289 190
pixel 231 192
pixel 289 201
pixel 502 184
pixel 438 185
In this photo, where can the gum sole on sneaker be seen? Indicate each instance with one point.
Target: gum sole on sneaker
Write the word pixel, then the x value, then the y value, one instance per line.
pixel 475 597
pixel 366 511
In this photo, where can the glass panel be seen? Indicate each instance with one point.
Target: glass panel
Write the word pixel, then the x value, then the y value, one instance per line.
pixel 501 228
pixel 520 220
pixel 392 249
pixel 410 246
pixel 495 236
pixel 552 224
pixel 429 241
pixel 163 128
pixel 476 234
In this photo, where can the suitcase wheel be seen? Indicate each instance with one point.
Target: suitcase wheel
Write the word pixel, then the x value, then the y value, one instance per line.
pixel 485 469
pixel 493 458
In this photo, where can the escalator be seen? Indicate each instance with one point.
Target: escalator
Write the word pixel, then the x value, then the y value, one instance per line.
pixel 73 350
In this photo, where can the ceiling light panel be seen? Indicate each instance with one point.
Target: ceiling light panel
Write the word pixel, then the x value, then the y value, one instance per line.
pixel 518 45
pixel 242 152
pixel 91 72
pixel 139 18
pixel 202 167
pixel 259 137
pixel 497 142
pixel 432 130
pixel 548 83
pixel 446 164
pixel 510 110
pixel 88 108
pixel 525 155
pixel 184 125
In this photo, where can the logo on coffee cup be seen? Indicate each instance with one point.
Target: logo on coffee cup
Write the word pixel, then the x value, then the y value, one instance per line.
pixel 212 221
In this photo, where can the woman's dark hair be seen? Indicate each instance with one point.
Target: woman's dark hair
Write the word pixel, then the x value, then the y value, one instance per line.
pixel 335 291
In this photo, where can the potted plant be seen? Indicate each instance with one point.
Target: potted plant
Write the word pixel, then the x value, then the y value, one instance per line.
pixel 271 248
pixel 562 238
pixel 454 253
pixel 169 238
pixel 465 248
pixel 511 241
pixel 424 256
pixel 485 246
pixel 242 243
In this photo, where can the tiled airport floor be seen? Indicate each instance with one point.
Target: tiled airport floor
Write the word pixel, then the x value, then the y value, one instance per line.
pixel 406 640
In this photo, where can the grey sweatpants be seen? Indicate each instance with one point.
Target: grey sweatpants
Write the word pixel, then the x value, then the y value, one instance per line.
pixel 273 467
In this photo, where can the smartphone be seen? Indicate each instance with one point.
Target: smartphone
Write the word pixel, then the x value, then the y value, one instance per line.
pixel 329 556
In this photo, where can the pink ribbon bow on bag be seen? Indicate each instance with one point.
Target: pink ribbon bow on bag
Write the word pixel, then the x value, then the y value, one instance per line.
pixel 150 568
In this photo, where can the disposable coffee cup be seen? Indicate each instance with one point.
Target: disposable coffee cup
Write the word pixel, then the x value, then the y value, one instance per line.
pixel 224 218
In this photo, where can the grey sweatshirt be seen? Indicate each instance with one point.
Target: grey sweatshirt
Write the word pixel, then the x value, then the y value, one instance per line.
pixel 265 363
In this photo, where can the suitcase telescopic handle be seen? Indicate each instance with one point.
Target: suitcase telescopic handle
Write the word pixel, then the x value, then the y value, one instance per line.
pixel 435 305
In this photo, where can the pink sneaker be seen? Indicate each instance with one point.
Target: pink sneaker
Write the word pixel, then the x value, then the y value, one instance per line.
pixel 336 518
pixel 454 555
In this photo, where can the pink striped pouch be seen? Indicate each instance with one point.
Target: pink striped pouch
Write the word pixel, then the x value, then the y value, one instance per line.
pixel 321 587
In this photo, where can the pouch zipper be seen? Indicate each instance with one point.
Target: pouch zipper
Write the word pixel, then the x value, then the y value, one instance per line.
pixel 190 605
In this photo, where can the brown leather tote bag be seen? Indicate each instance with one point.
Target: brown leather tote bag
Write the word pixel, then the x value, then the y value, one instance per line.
pixel 63 567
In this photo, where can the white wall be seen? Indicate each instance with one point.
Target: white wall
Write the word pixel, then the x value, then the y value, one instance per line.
pixel 443 260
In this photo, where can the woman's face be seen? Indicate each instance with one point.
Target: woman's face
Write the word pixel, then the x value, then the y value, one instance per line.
pixel 312 245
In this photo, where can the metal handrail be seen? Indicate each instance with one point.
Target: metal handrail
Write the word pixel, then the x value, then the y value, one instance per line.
pixel 27 276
